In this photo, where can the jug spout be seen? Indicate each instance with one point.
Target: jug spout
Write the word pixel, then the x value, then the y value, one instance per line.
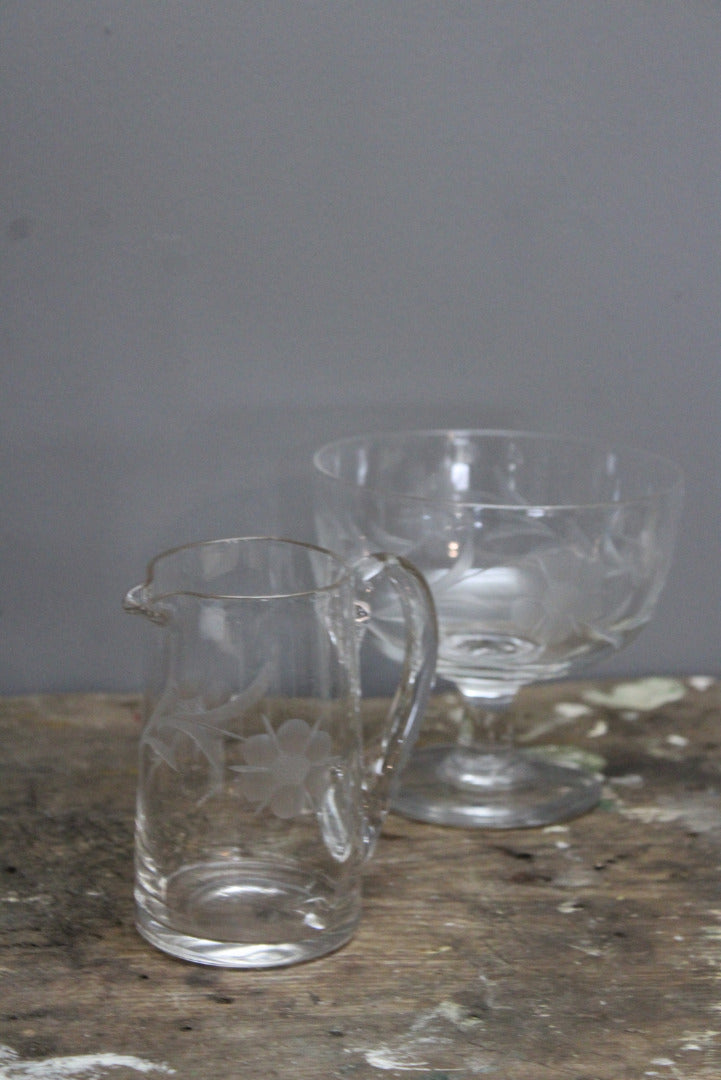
pixel 138 601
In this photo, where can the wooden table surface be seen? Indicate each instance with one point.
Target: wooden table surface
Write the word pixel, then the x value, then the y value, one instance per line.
pixel 584 951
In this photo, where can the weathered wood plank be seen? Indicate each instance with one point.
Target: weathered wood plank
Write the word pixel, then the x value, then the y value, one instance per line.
pixel 588 951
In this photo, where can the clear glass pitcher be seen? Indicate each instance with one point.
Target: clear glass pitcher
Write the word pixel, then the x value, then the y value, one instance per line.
pixel 262 786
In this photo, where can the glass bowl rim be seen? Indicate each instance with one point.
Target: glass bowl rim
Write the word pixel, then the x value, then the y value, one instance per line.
pixel 674 483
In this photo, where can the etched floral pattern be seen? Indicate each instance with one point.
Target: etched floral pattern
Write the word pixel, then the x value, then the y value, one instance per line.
pixel 181 720
pixel 562 595
pixel 287 770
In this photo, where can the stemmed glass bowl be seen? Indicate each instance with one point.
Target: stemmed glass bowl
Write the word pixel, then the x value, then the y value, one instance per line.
pixel 542 553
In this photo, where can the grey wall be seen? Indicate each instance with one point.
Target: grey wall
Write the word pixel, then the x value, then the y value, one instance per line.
pixel 232 230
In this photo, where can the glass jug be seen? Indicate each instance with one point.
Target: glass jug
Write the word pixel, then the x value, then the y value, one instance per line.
pixel 262 788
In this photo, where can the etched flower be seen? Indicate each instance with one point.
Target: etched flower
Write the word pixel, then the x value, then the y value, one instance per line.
pixel 562 595
pixel 286 770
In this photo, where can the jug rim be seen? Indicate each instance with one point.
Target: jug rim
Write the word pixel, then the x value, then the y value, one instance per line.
pixel 345 571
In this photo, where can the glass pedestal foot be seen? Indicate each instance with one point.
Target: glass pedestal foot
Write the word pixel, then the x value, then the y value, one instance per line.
pixel 492 788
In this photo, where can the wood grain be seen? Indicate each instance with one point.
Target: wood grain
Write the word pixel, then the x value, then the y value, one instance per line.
pixel 587 951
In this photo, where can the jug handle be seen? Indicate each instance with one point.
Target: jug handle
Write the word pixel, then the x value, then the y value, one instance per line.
pixel 401 725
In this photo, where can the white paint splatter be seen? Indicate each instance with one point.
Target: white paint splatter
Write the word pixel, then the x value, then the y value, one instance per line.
pixel 571 710
pixel 385 1058
pixel 569 907
pixel 702 813
pixel 13 898
pixel 699 1040
pixel 643 694
pixel 427 1036
pixel 628 780
pixel 80 1067
pixel 701 682
pixel 652 814
pixel 587 951
pixel 455 1014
